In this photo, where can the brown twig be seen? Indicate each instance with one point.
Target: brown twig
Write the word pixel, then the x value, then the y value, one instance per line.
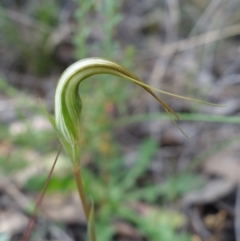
pixel 32 221
pixel 195 41
pixel 237 214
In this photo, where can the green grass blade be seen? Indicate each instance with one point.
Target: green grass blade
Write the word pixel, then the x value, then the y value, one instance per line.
pixel 184 117
pixel 145 152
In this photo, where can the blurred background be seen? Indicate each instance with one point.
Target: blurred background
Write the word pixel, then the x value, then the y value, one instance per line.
pixel 148 182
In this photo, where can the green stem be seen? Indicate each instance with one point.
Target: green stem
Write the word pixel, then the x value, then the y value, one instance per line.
pixel 77 176
pixel 78 179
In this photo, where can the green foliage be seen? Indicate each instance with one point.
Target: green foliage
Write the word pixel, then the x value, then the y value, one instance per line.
pixel 114 185
pixel 170 189
pixel 14 161
pixel 26 40
pixel 113 179
pixel 61 180
pixel 104 17
pixel 19 149
pixel 145 152
pixel 35 139
pixel 56 184
pixel 47 13
pixel 160 224
pixel 115 188
pixel 6 88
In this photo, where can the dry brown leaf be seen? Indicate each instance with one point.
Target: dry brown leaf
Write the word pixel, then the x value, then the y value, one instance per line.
pixel 212 191
pixel 63 208
pixel 125 229
pixel 225 163
pixel 12 222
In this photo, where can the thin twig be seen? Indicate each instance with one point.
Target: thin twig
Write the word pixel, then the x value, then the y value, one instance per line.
pixel 202 39
pixel 203 20
pixel 173 20
pixel 196 41
pixel 161 64
pixel 32 221
pixel 192 42
pixel 237 214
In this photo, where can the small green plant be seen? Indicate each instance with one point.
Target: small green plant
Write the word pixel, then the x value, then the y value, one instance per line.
pixel 116 189
pixel 67 123
pixel 103 16
pixel 68 107
pixel 115 185
pixel 28 41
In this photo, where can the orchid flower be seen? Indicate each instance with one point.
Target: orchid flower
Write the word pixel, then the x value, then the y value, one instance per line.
pixel 68 107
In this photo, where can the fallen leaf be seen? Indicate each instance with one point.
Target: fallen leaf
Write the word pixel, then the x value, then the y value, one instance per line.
pixel 63 208
pixel 212 191
pixel 225 163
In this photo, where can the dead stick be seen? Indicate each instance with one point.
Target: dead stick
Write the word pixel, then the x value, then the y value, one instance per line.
pixel 32 221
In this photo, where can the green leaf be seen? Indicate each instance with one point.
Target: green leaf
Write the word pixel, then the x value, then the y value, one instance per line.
pixel 145 152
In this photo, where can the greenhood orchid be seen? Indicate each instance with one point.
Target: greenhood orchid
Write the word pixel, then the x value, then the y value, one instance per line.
pixel 68 104
pixel 68 107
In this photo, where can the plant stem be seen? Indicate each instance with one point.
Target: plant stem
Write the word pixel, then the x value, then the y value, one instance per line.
pixel 77 176
pixel 78 179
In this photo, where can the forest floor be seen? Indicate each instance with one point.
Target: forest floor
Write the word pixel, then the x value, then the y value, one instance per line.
pixel 147 180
